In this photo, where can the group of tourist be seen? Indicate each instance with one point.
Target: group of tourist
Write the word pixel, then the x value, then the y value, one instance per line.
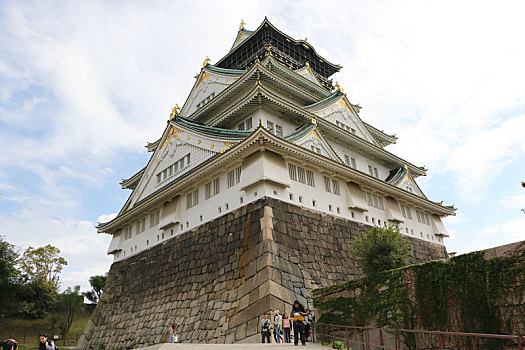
pixel 44 343
pixel 283 325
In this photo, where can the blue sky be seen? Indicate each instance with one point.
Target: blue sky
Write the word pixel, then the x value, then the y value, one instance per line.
pixel 84 86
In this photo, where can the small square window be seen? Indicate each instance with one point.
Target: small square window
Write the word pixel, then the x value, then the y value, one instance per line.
pixel 379 222
pixel 374 221
pixel 353 215
pixel 330 207
pixel 219 209
pixel 291 196
pixel 300 199
pixel 147 242
pixel 338 210
pixel 275 193
pixel 200 218
pixel 163 236
pixel 187 224
pixel 255 194
pixel 227 206
pixel 241 200
pixel 366 218
pixel 313 202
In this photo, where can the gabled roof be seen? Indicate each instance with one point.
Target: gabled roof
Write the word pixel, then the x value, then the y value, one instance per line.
pixel 242 35
pixel 383 138
pixel 396 175
pixel 311 131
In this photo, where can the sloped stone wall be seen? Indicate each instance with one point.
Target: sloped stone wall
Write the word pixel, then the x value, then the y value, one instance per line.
pixel 216 281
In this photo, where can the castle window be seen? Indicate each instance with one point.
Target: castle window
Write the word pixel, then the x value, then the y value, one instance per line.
pixel 154 218
pixel 128 232
pixel 313 202
pixel 335 187
pixel 310 178
pixel 174 168
pixel 234 177
pixel 327 184
pixel 405 210
pixel 241 200
pixel 300 199
pixel 353 215
pixel 212 188
pixel 375 201
pixel 373 171
pixel 338 210
pixel 141 226
pixel 330 207
pixel 291 196
pixel 350 161
pixel 271 126
pixel 245 125
pixel 279 130
pixel 192 199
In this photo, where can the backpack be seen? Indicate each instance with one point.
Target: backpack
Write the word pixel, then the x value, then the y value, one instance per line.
pixel 266 326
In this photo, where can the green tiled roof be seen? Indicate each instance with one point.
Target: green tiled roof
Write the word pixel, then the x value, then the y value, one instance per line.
pixel 210 130
pixel 224 70
pixel 326 101
pixel 300 132
pixel 396 175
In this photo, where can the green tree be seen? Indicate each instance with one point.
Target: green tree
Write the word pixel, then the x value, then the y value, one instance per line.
pixel 9 278
pixel 97 283
pixel 381 249
pixel 43 264
pixel 71 302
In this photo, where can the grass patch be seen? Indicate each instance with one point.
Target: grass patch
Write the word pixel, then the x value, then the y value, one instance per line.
pixel 27 330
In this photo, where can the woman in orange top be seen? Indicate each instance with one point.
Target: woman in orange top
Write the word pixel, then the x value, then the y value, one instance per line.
pixel 298 314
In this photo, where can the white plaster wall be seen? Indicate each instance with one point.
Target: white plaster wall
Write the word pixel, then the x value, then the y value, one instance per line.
pixel 233 198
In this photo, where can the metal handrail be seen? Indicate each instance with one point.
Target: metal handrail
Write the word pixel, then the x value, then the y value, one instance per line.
pixel 327 330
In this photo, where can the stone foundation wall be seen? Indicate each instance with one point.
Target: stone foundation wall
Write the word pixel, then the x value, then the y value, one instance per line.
pixel 216 281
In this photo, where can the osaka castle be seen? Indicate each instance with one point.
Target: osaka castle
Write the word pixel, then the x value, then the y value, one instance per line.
pixel 266 121
pixel 252 196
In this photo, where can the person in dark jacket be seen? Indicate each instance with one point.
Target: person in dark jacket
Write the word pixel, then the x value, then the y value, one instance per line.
pixel 298 313
pixel 45 343
pixel 9 344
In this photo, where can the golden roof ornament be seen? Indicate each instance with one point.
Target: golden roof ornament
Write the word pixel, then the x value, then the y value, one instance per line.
pixel 338 87
pixel 241 26
pixel 174 111
pixel 260 123
pixel 206 62
pixel 314 121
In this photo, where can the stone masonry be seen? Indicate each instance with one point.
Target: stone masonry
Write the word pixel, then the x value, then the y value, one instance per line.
pixel 216 281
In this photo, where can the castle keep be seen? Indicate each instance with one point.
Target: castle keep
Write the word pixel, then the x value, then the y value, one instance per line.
pixel 251 197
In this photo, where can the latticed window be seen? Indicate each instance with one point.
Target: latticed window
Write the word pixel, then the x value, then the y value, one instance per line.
pixel 154 218
pixel 279 130
pixel 327 184
pixel 335 187
pixel 375 201
pixel 292 171
pixel 192 199
pixel 234 177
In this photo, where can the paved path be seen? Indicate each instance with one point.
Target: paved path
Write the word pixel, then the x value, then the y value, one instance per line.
pixel 183 346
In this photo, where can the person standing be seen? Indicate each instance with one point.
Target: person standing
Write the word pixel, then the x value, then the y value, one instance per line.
pixel 298 313
pixel 287 328
pixel 45 343
pixel 277 322
pixel 264 328
pixel 173 334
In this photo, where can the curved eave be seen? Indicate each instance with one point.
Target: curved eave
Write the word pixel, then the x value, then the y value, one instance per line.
pixel 209 131
pixel 396 176
pixel 303 130
pixel 214 69
pixel 335 67
pixel 330 99
pixel 152 146
pixel 261 138
pixel 380 135
pixel 132 182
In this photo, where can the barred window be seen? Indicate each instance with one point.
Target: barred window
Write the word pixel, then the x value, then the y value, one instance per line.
pixel 141 226
pixel 271 126
pixel 301 175
pixel 128 232
pixel 335 187
pixel 207 190
pixel 234 177
pixel 192 199
pixel 327 184
pixel 292 171
pixel 154 218
pixel 248 123
pixel 279 130
pixel 375 201
pixel 216 186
